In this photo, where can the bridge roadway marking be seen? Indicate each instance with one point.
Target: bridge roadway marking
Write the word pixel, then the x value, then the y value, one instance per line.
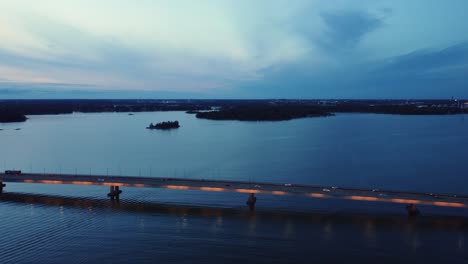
pixel 445 200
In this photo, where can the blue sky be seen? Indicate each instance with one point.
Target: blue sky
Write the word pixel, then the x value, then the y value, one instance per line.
pixel 233 49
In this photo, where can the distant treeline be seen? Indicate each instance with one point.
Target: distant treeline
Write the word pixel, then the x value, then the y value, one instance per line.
pixel 17 109
pixel 403 109
pixel 286 110
pixel 250 110
pixel 46 107
pixel 264 112
pixel 8 116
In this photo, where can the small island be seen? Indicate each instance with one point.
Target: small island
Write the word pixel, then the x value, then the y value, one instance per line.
pixel 165 125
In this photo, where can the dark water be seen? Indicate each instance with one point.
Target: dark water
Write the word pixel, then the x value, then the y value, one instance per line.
pixel 37 229
pixel 76 224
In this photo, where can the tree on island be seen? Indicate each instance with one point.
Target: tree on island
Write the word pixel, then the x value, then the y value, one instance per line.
pixel 165 125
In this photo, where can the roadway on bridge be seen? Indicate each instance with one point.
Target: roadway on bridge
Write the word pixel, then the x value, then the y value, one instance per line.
pixel 447 200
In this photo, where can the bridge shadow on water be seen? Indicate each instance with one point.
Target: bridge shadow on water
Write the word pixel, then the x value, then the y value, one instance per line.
pixel 455 223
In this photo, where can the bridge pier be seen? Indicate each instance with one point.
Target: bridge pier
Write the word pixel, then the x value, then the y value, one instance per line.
pixel 412 210
pixel 114 192
pixel 251 201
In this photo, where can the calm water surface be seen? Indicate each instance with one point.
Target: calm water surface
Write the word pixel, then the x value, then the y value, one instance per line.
pixel 75 224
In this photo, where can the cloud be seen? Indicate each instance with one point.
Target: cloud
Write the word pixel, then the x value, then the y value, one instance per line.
pixel 4 92
pixel 152 44
pixel 345 29
pixel 423 73
pixel 429 62
pixel 194 61
pixel 66 91
pixel 302 48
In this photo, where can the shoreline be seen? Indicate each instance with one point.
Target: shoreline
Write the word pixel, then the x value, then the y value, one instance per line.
pixel 241 110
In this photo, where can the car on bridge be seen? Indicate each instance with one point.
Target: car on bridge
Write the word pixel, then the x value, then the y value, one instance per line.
pixel 13 172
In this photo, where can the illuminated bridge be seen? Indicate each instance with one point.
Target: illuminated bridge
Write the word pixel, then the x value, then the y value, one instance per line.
pixel 320 192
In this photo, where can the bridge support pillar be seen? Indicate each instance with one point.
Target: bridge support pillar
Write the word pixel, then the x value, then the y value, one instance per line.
pixel 1 186
pixel 251 201
pixel 412 210
pixel 114 192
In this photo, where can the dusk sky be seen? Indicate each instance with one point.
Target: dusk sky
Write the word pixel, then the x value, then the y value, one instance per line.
pixel 233 49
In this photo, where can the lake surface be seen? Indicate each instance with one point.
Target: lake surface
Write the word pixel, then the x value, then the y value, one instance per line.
pixel 420 153
pixel 54 224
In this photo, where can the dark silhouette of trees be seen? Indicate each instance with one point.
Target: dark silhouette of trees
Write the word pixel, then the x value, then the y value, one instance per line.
pixel 165 125
pixel 7 117
pixel 264 112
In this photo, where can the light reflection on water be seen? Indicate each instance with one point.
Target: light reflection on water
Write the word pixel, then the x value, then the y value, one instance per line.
pixel 58 229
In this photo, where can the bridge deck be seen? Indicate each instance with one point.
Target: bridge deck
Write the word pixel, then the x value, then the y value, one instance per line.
pixel 447 200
